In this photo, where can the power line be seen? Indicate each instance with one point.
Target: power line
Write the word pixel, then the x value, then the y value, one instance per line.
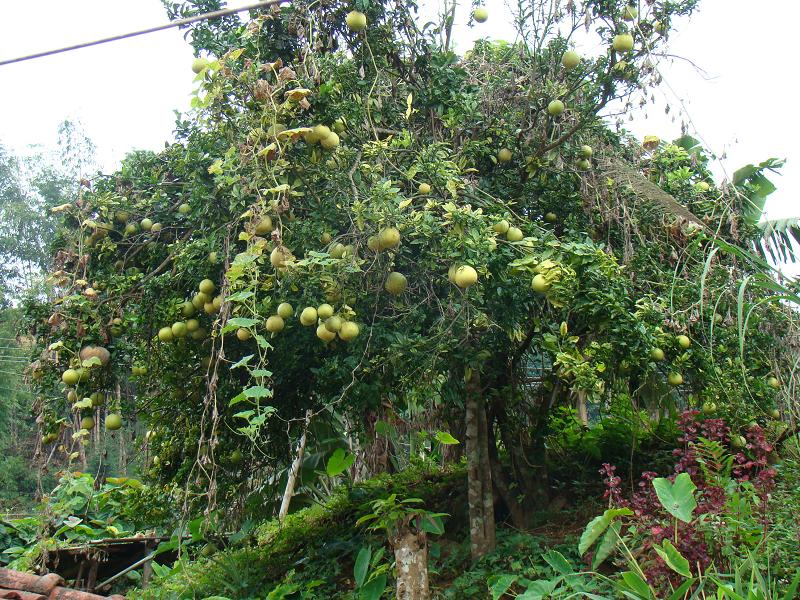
pixel 179 23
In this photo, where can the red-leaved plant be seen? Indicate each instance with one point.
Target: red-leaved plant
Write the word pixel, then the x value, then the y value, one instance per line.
pixel 710 470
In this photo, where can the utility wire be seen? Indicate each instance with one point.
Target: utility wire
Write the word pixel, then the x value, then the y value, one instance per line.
pixel 179 23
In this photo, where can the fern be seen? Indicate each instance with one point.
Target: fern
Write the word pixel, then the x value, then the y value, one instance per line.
pixel 715 461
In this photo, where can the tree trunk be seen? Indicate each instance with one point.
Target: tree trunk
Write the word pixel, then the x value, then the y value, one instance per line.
pixel 291 480
pixel 479 476
pixel 411 560
pixel 504 489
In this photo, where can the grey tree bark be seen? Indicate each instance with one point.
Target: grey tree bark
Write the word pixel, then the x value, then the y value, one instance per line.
pixel 411 560
pixel 480 495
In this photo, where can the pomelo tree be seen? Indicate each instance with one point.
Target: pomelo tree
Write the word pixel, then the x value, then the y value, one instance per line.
pixel 358 226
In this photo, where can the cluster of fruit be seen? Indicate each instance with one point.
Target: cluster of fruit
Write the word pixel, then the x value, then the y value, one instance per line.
pixel 203 299
pixel 89 357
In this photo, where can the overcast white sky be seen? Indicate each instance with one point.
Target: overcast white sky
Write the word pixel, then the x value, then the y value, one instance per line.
pixel 125 92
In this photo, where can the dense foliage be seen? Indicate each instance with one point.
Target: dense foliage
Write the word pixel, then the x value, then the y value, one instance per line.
pixel 365 250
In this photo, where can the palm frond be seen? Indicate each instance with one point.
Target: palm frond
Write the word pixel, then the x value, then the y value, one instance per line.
pixel 780 238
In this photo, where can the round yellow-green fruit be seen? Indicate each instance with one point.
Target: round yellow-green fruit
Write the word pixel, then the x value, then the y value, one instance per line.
pixel 424 188
pixel 285 310
pixel 165 334
pixel 539 284
pixel 323 333
pixel 330 141
pixel 480 14
pixel 179 329
pixel 556 108
pixel 396 283
pixel 465 276
pixel 683 341
pixel 514 234
pixel 113 422
pixel 657 354
pixel 622 42
pixel 501 227
pixel 87 423
pixel 275 324
pixel 324 311
pixel 264 226
pixel 504 155
pixel 356 20
pixel 348 331
pixel 243 334
pixel 570 60
pixel 70 377
pixel 773 383
pixel 206 287
pixel 389 237
pixel 333 323
pixel 199 64
pixel 309 316
pixel 675 379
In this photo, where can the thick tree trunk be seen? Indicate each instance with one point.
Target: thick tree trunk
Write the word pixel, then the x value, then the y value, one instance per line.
pixel 372 457
pixel 504 488
pixel 411 560
pixel 479 476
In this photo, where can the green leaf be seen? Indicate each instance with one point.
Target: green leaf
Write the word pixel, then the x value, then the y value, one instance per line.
pixel 91 362
pixel 678 498
pixel 445 438
pixel 239 296
pixel 432 524
pixel 339 462
pixel 361 567
pixel 242 361
pixel 607 545
pixel 559 564
pixel 634 583
pixel 598 525
pixel 237 399
pixel 258 391
pixel 674 559
pixel 374 589
pixel 240 322
pixel 500 584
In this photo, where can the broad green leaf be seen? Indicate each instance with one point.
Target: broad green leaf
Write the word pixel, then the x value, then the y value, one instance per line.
pixel 432 524
pixel 678 498
pixel 634 583
pixel 239 296
pixel 674 559
pixel 607 545
pixel 500 584
pixel 258 391
pixel 242 361
pixel 374 589
pixel 445 438
pixel 240 322
pixel 559 564
pixel 598 525
pixel 339 462
pixel 361 567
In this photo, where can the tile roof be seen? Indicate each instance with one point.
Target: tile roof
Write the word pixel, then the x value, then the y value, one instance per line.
pixel 16 585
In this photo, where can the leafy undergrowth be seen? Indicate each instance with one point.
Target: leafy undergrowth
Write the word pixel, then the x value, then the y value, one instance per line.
pixel 314 550
pixel 312 554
